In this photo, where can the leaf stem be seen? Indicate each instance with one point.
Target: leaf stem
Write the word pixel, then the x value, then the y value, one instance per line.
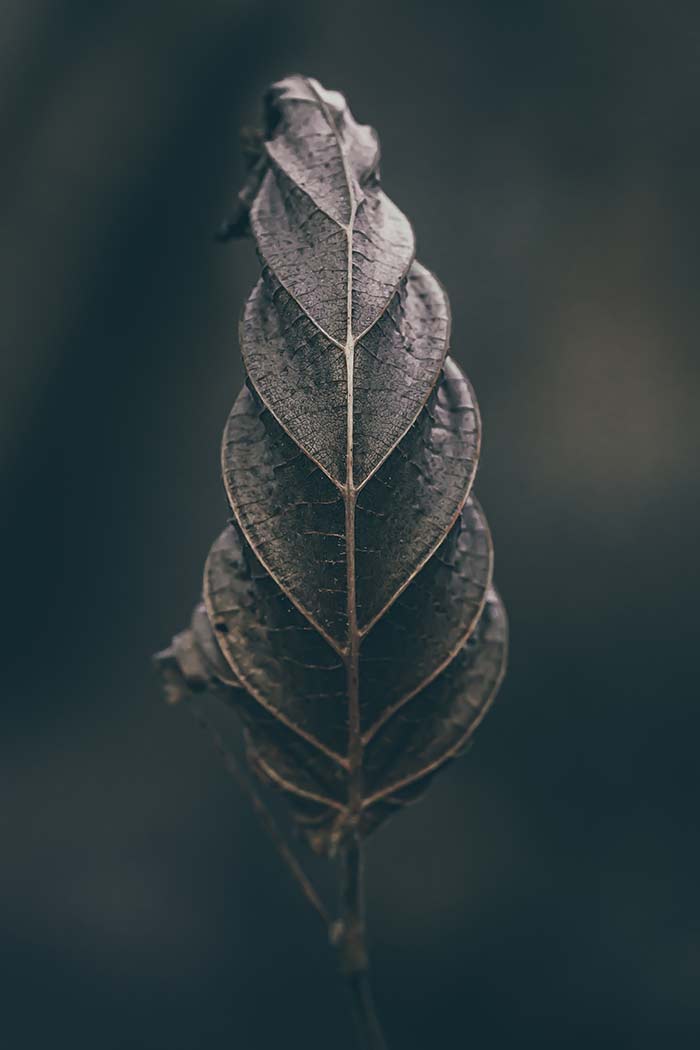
pixel 352 948
pixel 264 815
pixel 367 1026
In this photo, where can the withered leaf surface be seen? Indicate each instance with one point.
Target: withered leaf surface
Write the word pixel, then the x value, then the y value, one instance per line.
pixel 349 614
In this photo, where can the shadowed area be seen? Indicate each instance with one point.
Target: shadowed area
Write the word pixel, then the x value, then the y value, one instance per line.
pixel 545 890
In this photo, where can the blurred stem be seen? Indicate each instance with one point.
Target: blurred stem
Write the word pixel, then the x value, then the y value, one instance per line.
pixel 348 933
pixel 265 817
pixel 352 948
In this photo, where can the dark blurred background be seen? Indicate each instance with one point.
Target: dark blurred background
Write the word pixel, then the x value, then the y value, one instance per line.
pixel 545 893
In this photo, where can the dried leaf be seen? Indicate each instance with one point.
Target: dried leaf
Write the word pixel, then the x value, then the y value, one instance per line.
pixel 349 612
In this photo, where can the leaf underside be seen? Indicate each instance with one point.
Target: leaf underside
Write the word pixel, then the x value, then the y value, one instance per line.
pixel 349 614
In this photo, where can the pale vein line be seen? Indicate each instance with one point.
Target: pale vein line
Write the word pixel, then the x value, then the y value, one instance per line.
pixel 355 746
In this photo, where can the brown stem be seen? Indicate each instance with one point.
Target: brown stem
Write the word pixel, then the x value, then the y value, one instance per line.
pixel 352 947
pixel 348 934
pixel 367 1026
pixel 265 816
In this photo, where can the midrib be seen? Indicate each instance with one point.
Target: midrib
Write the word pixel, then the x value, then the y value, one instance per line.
pixel 355 744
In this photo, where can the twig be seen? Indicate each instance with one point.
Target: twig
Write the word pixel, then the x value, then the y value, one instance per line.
pixel 265 816
pixel 348 934
pixel 349 937
pixel 369 1031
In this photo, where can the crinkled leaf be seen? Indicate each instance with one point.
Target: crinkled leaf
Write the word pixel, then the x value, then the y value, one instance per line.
pixel 349 615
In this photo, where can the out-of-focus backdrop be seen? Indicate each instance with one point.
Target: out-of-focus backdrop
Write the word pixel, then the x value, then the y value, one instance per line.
pixel 545 892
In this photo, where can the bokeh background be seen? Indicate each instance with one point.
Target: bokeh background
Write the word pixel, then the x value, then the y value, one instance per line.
pixel 545 893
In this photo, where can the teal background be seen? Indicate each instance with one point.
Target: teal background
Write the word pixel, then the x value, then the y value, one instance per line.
pixel 545 892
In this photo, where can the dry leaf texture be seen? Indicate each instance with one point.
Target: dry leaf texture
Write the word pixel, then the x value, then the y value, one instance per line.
pixel 349 613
